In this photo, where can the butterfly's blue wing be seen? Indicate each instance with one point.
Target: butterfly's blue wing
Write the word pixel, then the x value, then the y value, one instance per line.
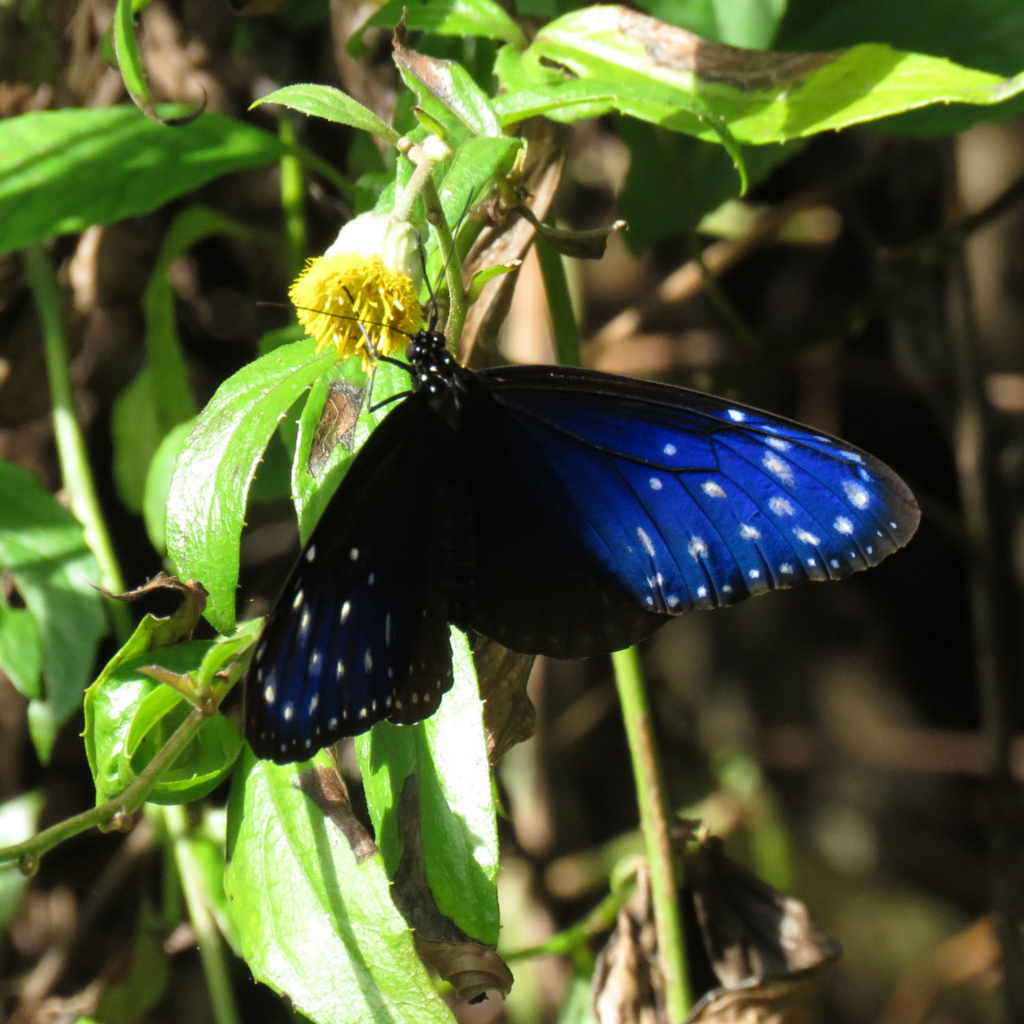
pixel 651 500
pixel 359 632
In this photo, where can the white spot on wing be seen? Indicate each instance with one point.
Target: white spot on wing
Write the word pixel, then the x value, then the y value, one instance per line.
pixel 298 600
pixel 353 554
pixel 736 415
pixel 778 444
pixel 781 506
pixel 655 483
pixel 345 609
pixel 702 591
pixel 748 532
pixel 313 703
pixel 786 569
pixel 288 712
pixel 842 525
pixel 713 489
pixel 857 493
pixel 669 449
pixel 270 693
pixel 368 660
pixel 697 547
pixel 778 467
pixel 648 546
pixel 806 536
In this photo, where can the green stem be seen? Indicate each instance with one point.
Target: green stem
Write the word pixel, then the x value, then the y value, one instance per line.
pixel 211 948
pixel 452 267
pixel 292 194
pixel 563 319
pixel 126 803
pixel 573 939
pixel 74 461
pixel 654 822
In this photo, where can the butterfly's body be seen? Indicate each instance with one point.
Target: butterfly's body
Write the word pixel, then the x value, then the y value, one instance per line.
pixel 558 511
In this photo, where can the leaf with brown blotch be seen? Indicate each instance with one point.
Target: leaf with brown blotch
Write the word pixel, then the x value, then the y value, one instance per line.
pixel 327 789
pixel 472 968
pixel 336 425
pixel 509 714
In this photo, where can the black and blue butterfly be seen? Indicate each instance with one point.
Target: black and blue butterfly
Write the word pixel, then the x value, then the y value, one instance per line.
pixel 558 511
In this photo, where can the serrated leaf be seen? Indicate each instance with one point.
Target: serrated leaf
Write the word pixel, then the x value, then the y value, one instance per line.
pixel 450 85
pixel 101 165
pixel 332 105
pixel 618 55
pixel 129 717
pixel 206 505
pixel 313 923
pixel 43 546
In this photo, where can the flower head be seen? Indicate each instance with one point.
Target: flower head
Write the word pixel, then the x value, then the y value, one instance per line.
pixel 364 285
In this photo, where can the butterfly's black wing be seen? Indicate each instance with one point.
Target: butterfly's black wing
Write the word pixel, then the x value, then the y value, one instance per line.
pixel 359 632
pixel 605 505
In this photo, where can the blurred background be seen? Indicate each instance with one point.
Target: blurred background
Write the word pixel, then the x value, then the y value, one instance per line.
pixel 840 736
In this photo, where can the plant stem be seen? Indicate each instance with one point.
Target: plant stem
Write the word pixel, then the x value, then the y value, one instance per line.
pixel 452 267
pixel 995 617
pixel 563 319
pixel 128 802
pixel 74 461
pixel 211 947
pixel 292 194
pixel 654 822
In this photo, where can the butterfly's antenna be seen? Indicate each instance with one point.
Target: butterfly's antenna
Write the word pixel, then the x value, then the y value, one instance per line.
pixel 426 281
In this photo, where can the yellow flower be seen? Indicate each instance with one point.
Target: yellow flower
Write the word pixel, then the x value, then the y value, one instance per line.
pixel 365 282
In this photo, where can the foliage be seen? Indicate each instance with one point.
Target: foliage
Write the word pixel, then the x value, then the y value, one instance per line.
pixel 704 122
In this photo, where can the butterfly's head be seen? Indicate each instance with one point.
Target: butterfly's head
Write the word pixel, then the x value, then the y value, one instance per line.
pixel 435 370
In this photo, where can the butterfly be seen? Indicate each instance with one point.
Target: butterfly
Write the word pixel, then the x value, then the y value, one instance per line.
pixel 559 511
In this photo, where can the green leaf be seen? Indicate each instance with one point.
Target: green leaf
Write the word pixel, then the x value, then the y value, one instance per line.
pixel 129 717
pixel 450 18
pixel 458 815
pixel 158 484
pixel 98 166
pixel 129 59
pixel 21 650
pixel 206 506
pixel 751 23
pixel 458 820
pixel 452 90
pixel 314 923
pixel 641 67
pixel 160 398
pixel 43 547
pixel 18 821
pixel 334 423
pixel 332 105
